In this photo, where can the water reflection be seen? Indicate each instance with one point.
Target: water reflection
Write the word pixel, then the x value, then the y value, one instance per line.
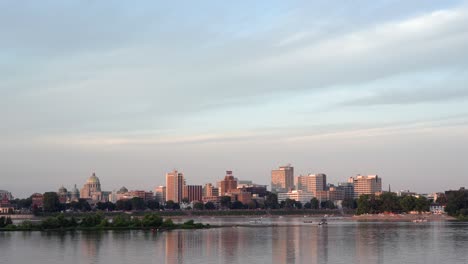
pixel 367 243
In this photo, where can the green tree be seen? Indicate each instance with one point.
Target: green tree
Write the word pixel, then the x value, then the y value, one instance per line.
pixel 237 205
pixel 170 205
pixel 152 204
pixel 225 201
pixel 363 205
pixel 390 202
pixel 271 201
pixel 51 202
pixel 198 206
pixel 288 203
pixel 349 203
pixel 210 206
pixel 308 205
pixel 138 204
pixel 422 204
pixel 408 203
pixel 314 203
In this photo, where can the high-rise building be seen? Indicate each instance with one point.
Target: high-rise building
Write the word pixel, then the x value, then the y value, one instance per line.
pixel 296 195
pixel 282 179
pixel 370 184
pixel 312 183
pixel 160 194
pixel 209 190
pixel 193 192
pixel 228 184
pixel 174 186
pixel 348 188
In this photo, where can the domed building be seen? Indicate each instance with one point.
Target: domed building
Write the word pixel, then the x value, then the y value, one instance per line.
pixel 92 190
pixel 74 194
pixel 63 194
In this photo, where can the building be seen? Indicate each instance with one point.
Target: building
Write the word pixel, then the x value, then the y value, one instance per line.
pixel 282 179
pixel 91 190
pixel 193 192
pixel 209 190
pixel 296 195
pixel 37 200
pixel 333 194
pixel 174 186
pixel 216 200
pixel 227 185
pixel 6 194
pixel 371 184
pixel 312 183
pixel 63 195
pixel 348 188
pixel 436 208
pixel 160 194
pixel 241 195
pixel 74 194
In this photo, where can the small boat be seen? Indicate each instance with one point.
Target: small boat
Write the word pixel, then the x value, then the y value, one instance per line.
pixel 323 222
pixel 308 221
pixel 419 220
pixel 256 221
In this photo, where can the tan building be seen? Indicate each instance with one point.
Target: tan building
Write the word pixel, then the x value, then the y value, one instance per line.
pixel 227 185
pixel 174 186
pixel 209 190
pixel 282 179
pixel 370 184
pixel 241 195
pixel 298 196
pixel 92 190
pixel 193 193
pixel 332 194
pixel 312 183
pixel 160 194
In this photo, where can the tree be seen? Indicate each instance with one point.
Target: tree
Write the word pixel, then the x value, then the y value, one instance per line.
pixel 198 206
pixel 137 203
pixel 51 202
pixel 210 206
pixel 271 201
pixel 123 205
pixel 363 204
pixel 408 203
pixel 185 200
pixel 390 202
pixel 170 205
pixel 152 204
pixel 307 205
pixel 252 204
pixel 237 205
pixel 327 205
pixel 422 204
pixel 288 203
pixel 225 201
pixel 314 203
pixel 349 203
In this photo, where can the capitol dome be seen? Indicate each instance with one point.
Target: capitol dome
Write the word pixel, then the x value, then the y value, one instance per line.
pixel 62 190
pixel 93 179
pixel 123 190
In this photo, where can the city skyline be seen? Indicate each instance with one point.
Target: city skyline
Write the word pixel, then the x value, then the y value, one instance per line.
pixel 131 91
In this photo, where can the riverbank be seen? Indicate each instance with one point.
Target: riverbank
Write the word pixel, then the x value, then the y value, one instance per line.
pixel 403 217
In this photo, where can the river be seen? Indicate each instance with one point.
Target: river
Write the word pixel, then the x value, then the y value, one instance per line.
pixel 291 241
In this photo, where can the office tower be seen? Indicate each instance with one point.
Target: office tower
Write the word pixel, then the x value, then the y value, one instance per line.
pixel 282 179
pixel 228 184
pixel 174 186
pixel 193 192
pixel 209 190
pixel 160 194
pixel 312 183
pixel 370 184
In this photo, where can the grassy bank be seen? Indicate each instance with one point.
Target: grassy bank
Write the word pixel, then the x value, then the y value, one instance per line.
pixel 97 221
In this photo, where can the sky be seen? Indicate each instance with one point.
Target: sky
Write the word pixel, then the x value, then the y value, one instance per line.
pixel 131 91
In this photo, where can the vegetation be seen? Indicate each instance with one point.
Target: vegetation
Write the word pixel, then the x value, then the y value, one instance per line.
pixel 97 221
pixel 457 204
pixel 391 203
